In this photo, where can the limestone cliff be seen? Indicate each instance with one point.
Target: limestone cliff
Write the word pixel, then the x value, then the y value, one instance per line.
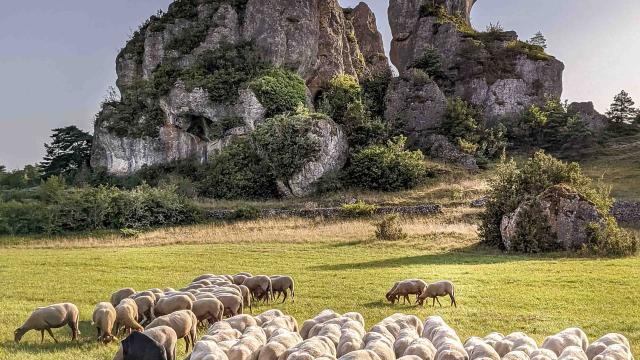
pixel 162 116
pixel 493 69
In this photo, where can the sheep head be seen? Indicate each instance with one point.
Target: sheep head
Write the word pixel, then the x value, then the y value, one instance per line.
pixel 18 334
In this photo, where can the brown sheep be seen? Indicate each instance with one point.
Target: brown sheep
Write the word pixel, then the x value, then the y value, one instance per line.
pixel 246 297
pixel 145 308
pixel 281 284
pixel 117 296
pixel 208 309
pixel 127 317
pixel 404 289
pixel 168 305
pixel 183 322
pixel 50 317
pixel 260 284
pixel 232 304
pixel 437 289
pixel 104 317
pixel 165 336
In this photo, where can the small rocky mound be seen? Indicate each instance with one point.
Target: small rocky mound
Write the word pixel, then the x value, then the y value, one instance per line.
pixel 587 113
pixel 555 220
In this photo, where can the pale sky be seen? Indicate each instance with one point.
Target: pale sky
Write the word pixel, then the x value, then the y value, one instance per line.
pixel 57 58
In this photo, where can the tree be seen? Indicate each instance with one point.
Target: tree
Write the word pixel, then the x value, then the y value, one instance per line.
pixel 538 40
pixel 68 152
pixel 622 110
pixel 3 169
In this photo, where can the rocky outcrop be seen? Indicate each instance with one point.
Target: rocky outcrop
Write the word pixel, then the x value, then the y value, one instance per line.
pixel 331 157
pixel 440 148
pixel 566 213
pixel 587 113
pixel 318 39
pixel 417 103
pixel 315 38
pixel 493 70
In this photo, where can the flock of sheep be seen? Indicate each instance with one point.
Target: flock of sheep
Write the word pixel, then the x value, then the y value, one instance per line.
pixel 275 336
pixel 155 319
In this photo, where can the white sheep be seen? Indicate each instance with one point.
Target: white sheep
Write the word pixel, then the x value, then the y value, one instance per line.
pixel 50 317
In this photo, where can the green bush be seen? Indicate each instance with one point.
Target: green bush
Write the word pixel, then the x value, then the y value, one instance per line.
pixel 280 91
pixel 238 172
pixel 374 90
pixel 341 91
pixel 245 213
pixel 359 209
pixel 611 240
pixel 431 63
pixel 515 185
pixel 287 143
pixel 460 121
pixel 387 168
pixel 362 129
pixel 389 229
pixel 97 208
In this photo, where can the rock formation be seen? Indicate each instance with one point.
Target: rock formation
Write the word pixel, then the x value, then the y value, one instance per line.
pixel 316 38
pixel 566 213
pixel 492 70
pixel 587 113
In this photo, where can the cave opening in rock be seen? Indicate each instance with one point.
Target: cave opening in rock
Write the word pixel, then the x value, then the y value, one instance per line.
pixel 199 126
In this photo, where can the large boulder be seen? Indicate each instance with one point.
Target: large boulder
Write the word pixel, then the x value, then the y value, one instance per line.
pixel 587 113
pixel 440 148
pixel 415 102
pixel 331 157
pixel 369 38
pixel 566 215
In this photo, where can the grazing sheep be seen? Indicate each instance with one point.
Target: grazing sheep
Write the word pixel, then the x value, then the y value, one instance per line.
pixel 351 339
pixel 360 355
pixel 430 325
pixel 543 354
pixel 241 322
pixel 140 347
pixel 516 355
pixel 312 348
pixel 325 315
pixel 601 344
pixel 421 348
pixel 166 337
pixel 246 297
pixel 50 317
pixel 278 344
pixel 104 317
pixel 260 284
pixel 207 350
pixel 232 304
pixel 168 305
pixel 615 352
pixel 179 293
pixel 239 279
pixel 283 322
pixel 117 296
pixel 127 317
pixel 148 293
pixel 203 277
pixel 516 341
pixel 183 322
pixel 404 289
pixel 208 309
pixel 403 340
pixel 557 343
pixel 248 344
pixel 438 289
pixel 482 351
pixel 146 306
pixel 281 285
pixel 573 353
pixel 268 316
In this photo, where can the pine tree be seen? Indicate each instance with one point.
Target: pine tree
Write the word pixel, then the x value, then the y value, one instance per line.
pixel 622 110
pixel 69 152
pixel 538 40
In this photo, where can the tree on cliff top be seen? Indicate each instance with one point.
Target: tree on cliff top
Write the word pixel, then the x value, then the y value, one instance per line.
pixel 622 110
pixel 538 40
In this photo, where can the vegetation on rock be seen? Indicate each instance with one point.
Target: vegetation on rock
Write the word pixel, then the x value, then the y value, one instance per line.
pixel 280 91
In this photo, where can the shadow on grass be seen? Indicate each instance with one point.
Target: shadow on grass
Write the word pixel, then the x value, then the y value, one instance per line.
pixel 32 345
pixel 473 255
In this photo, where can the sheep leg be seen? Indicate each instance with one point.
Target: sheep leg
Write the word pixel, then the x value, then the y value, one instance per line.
pixel 453 301
pixel 434 302
pixel 51 334
pixel 438 301
pixel 408 299
pixel 284 298
pixel 41 336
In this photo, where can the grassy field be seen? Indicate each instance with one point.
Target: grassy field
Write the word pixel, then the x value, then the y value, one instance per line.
pixel 336 265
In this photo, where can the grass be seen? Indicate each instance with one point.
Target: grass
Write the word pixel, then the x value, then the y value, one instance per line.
pixel 336 265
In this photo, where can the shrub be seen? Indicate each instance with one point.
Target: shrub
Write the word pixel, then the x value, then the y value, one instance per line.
pixel 362 129
pixel 460 121
pixel 238 172
pixel 611 240
pixel 387 168
pixel 515 185
pixel 245 213
pixel 24 218
pixel 389 229
pixel 358 210
pixel 280 91
pixel 342 91
pixel 374 90
pixel 129 233
pixel 431 63
pixel 287 142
